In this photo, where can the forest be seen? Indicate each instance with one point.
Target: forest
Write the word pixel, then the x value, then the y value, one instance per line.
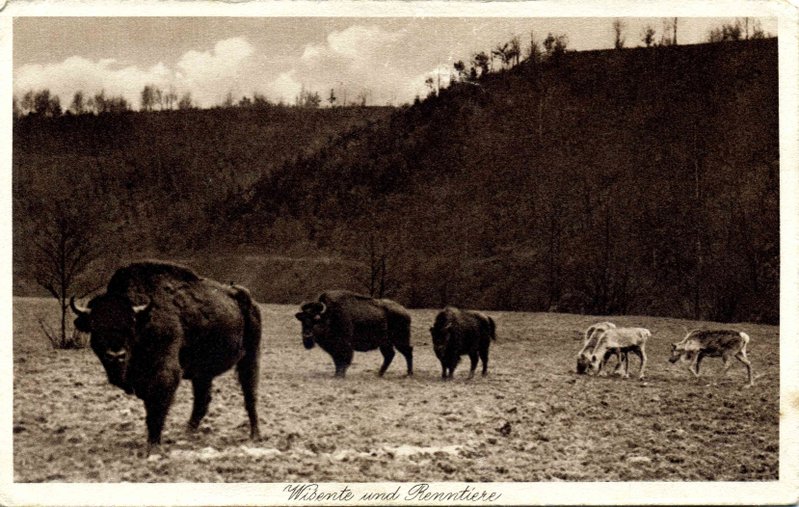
pixel 625 181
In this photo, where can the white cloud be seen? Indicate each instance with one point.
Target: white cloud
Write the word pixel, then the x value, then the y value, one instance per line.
pixel 441 76
pixel 285 87
pixel 356 60
pixel 359 59
pixel 211 74
pixel 208 75
pixel 77 73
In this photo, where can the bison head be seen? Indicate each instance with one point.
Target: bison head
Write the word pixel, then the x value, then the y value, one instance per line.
pixel 441 337
pixel 313 317
pixel 112 321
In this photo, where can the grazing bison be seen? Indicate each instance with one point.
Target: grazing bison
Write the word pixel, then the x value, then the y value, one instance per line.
pixel 460 332
pixel 724 343
pixel 158 323
pixel 584 356
pixel 342 322
pixel 624 340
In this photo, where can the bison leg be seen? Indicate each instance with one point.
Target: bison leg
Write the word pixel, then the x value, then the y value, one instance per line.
pixel 247 370
pixel 157 404
pixel 342 362
pixel 451 365
pixel 484 359
pixel 407 351
pixel 473 366
pixel 443 371
pixel 202 397
pixel 388 356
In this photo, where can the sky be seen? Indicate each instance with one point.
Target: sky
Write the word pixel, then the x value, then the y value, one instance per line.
pixel 209 57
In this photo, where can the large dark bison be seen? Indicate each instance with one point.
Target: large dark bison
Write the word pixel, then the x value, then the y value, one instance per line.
pixel 158 323
pixel 459 332
pixel 341 322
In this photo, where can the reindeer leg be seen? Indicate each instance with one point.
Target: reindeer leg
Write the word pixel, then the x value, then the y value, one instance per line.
pixel 741 356
pixel 694 366
pixel 641 353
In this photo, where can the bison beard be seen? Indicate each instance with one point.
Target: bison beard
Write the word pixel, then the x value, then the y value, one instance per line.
pixel 342 322
pixel 461 332
pixel 158 323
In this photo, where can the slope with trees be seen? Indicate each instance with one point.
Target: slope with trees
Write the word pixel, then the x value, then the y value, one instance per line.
pixel 636 181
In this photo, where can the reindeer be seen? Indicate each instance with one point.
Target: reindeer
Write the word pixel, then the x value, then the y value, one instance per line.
pixel 724 343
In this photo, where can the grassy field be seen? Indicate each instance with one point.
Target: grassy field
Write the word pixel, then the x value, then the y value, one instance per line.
pixel 531 419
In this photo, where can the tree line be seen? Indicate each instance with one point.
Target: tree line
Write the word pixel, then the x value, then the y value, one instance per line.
pixel 154 98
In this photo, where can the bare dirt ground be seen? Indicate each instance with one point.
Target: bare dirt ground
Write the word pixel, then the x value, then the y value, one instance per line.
pixel 531 419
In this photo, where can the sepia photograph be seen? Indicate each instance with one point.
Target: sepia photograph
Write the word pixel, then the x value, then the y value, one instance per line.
pixel 447 253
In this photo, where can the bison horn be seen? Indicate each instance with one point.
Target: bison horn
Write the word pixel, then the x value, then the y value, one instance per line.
pixel 324 308
pixel 75 308
pixel 140 308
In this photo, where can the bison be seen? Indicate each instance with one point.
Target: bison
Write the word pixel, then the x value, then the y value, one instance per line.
pixel 342 322
pixel 459 332
pixel 724 343
pixel 624 340
pixel 584 356
pixel 159 322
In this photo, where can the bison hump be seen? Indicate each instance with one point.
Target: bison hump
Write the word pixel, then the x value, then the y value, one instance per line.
pixel 149 275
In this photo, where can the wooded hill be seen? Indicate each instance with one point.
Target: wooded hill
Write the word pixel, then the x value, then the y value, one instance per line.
pixel 636 181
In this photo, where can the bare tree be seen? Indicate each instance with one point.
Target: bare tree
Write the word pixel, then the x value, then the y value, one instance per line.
pixel 65 245
pixel 618 33
pixel 147 100
pixel 674 31
pixel 669 27
pixel 481 61
pixel 648 35
pixel 431 85
pixel 185 101
pixel 377 281
pixel 502 51
pixel 515 49
pixel 170 97
pixel 363 97
pixel 228 100
pixel 555 45
pixel 78 105
pixel 45 104
pixel 100 102
pixel 459 67
pixel 533 49
pixel 26 104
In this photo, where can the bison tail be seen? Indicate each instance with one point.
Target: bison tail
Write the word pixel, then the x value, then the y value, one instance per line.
pixel 252 322
pixel 492 329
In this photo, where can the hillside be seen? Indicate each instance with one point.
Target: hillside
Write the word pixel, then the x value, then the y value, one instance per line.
pixel 155 184
pixel 632 181
pixel 636 181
